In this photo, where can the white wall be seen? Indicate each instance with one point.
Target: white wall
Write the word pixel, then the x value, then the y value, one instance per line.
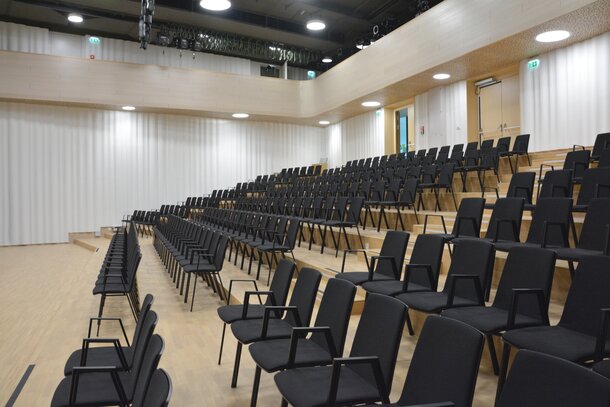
pixel 442 112
pixel 359 137
pixel 66 169
pixel 567 100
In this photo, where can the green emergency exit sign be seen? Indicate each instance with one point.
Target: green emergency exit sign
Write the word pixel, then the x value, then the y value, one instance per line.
pixel 533 64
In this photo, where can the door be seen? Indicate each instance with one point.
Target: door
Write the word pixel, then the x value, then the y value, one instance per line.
pixel 499 109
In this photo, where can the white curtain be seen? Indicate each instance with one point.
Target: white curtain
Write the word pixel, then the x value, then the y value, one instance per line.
pixel 442 112
pixel 74 170
pixel 17 37
pixel 359 137
pixel 566 101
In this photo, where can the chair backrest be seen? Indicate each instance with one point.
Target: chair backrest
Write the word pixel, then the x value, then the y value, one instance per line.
pixel 428 175
pixel 432 152
pixel 334 312
pixel 355 207
pixel 595 184
pixel 280 284
pixel 507 212
pixel 144 309
pixel 159 391
pixel 140 348
pixel 471 157
pixel 473 145
pixel 536 380
pixel 577 161
pixel 594 232
pixel 522 186
pixel 551 222
pixel 487 145
pixel 149 363
pixel 444 365
pixel 556 183
pixel 304 295
pixel 474 257
pixel 604 159
pixel 469 217
pixel 421 153
pixel 219 253
pixel 526 267
pixel 588 294
pixel 428 249
pixel 291 233
pixel 503 144
pixel 444 149
pixel 378 334
pixel 602 142
pixel 409 191
pixel 393 190
pixel 521 144
pixel 457 147
pixel 394 245
pixel 445 175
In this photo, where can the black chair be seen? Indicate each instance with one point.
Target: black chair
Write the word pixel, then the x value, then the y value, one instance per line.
pixel 467 221
pixel 105 385
pixel 392 194
pixel 549 227
pixel 283 242
pixel 297 313
pixel 521 186
pixel 325 343
pixel 363 377
pixel 468 280
pixel 386 266
pixel 604 159
pixel 276 296
pixel 538 380
pixel 505 221
pixel 444 367
pixel 406 199
pixel 159 391
pixel 520 148
pixel 594 235
pixel 522 298
pixel 115 354
pixel 556 184
pixel 602 142
pixel 595 184
pixel 351 220
pixel 581 334
pixel 603 368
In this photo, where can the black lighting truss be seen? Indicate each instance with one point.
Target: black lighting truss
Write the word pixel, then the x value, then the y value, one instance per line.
pixel 198 39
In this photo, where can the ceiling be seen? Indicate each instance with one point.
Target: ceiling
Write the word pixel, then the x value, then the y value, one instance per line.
pixel 272 21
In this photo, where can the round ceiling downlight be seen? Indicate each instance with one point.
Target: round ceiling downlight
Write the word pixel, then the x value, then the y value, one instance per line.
pixel 316 25
pixel 324 122
pixel 129 108
pixel 441 76
pixel 553 36
pixel 371 103
pixel 75 18
pixel 241 115
pixel 215 5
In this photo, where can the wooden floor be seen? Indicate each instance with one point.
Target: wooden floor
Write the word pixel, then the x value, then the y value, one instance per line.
pixel 45 302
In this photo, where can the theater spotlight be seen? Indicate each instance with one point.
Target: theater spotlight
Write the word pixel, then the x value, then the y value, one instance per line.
pixel 163 40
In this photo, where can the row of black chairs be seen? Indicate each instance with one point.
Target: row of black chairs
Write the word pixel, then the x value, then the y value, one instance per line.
pixel 117 374
pixel 117 275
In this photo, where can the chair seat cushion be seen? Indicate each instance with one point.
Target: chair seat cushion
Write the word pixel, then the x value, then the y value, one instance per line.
pixel 432 301
pixel 271 247
pixel 232 313
pixel 487 319
pixel 250 330
pixel 273 355
pixel 603 368
pixel 359 277
pixel 554 340
pixel 94 389
pixel 391 287
pixel 98 356
pixel 575 254
pixel 110 289
pixel 203 268
pixel 309 387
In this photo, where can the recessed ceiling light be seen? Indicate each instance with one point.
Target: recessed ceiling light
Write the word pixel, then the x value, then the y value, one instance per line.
pixel 441 76
pixel 327 60
pixel 324 122
pixel 316 25
pixel 552 36
pixel 215 5
pixel 75 18
pixel 241 115
pixel 129 108
pixel 371 104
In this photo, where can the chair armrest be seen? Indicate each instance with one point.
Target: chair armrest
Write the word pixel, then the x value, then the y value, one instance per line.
pixel 577 145
pixel 477 286
pixel 437 215
pixel 289 308
pixel 119 320
pixel 409 270
pixel 241 281
pixel 300 332
pixel 346 251
pixel 541 167
pixel 112 370
pixel 602 336
pixel 514 304
pixel 564 233
pixel 372 361
pixel 115 343
pixel 392 261
pixel 500 222
pixel 247 296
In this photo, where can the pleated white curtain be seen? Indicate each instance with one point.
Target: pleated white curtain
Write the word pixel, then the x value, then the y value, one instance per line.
pixel 442 112
pixel 359 137
pixel 566 100
pixel 69 169
pixel 17 37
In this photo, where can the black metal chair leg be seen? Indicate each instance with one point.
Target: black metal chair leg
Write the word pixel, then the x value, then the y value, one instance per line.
pixel 492 353
pixel 222 342
pixel 503 369
pixel 255 386
pixel 236 365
